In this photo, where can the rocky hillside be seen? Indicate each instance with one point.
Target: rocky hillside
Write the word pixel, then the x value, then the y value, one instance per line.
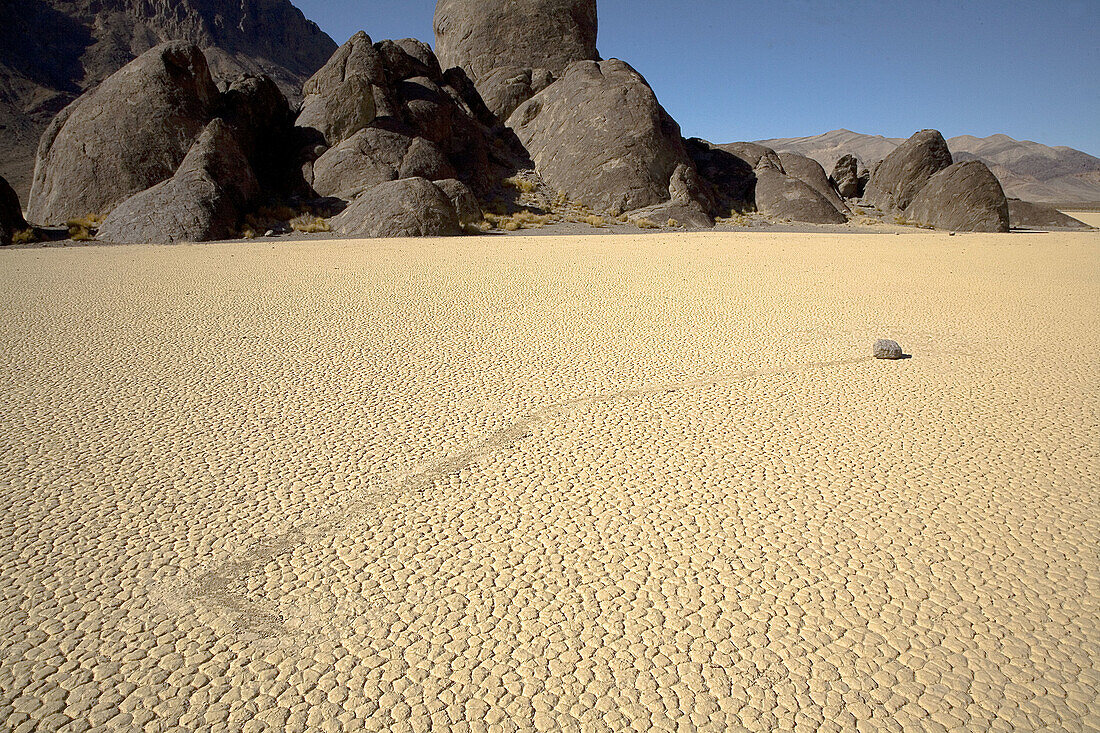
pixel 1027 170
pixel 53 50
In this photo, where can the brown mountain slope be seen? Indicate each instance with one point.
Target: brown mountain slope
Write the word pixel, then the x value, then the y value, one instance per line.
pixel 1027 170
pixel 53 50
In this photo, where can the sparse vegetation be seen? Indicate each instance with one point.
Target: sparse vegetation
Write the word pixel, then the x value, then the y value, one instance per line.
pixel 520 184
pixel 902 221
pixel 523 219
pixel 83 229
pixel 645 224
pixel 672 223
pixel 25 236
pixel 309 224
pixel 596 221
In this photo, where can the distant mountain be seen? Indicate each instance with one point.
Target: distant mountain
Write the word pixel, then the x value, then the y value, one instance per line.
pixel 1027 170
pixel 53 50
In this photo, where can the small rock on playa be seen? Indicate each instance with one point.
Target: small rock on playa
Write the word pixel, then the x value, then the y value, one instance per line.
pixel 887 349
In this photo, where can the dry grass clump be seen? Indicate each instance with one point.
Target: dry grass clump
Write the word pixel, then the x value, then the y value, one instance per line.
pixel 83 229
pixel 520 220
pixel 309 224
pixel 595 221
pixel 281 218
pixel 25 236
pixel 902 221
pixel 520 184
pixel 672 223
pixel 645 224
pixel 735 218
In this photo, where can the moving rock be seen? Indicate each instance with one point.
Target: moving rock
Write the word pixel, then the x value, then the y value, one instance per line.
pixel 887 349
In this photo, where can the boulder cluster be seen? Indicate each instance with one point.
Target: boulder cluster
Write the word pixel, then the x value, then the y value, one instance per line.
pixel 392 139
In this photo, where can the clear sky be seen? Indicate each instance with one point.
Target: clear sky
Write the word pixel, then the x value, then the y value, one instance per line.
pixel 731 70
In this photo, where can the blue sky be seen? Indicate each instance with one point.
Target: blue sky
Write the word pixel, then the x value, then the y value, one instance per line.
pixel 730 70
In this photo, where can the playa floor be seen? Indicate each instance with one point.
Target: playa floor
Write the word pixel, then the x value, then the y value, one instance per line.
pixel 591 483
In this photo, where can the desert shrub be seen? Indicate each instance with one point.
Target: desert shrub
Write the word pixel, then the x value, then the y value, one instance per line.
pixel 309 224
pixel 83 228
pixel 523 219
pixel 25 236
pixel 622 219
pixel 672 223
pixel 520 184
pixel 901 220
pixel 595 221
pixel 645 224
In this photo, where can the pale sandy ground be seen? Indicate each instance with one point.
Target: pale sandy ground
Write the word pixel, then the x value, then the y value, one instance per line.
pixel 601 483
pixel 1092 218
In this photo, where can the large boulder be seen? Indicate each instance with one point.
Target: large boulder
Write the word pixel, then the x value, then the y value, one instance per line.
pixel 782 197
pixel 262 122
pixel 129 133
pixel 845 177
pixel 422 122
pixel 482 35
pixel 1028 215
pixel 599 136
pixel 507 87
pixel 465 203
pixel 730 176
pixel 11 214
pixel 753 154
pixel 203 201
pixel 963 197
pixel 411 207
pixel 810 172
pixel 339 98
pixel 905 171
pixel 373 156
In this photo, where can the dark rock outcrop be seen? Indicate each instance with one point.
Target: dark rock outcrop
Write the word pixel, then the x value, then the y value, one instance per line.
pixel 51 51
pixel 731 178
pixel 904 172
pixel 262 123
pixel 11 214
pixel 599 136
pixel 964 197
pixel 507 87
pixel 203 201
pixel 389 112
pixel 104 147
pixel 373 156
pixel 961 197
pixel 783 197
pixel 845 177
pixel 339 98
pixel 411 207
pixel 752 154
pixel 482 35
pixel 1027 215
pixel 465 203
pixel 810 172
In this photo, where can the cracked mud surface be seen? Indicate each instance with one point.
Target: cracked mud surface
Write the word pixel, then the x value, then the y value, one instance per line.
pixel 621 483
